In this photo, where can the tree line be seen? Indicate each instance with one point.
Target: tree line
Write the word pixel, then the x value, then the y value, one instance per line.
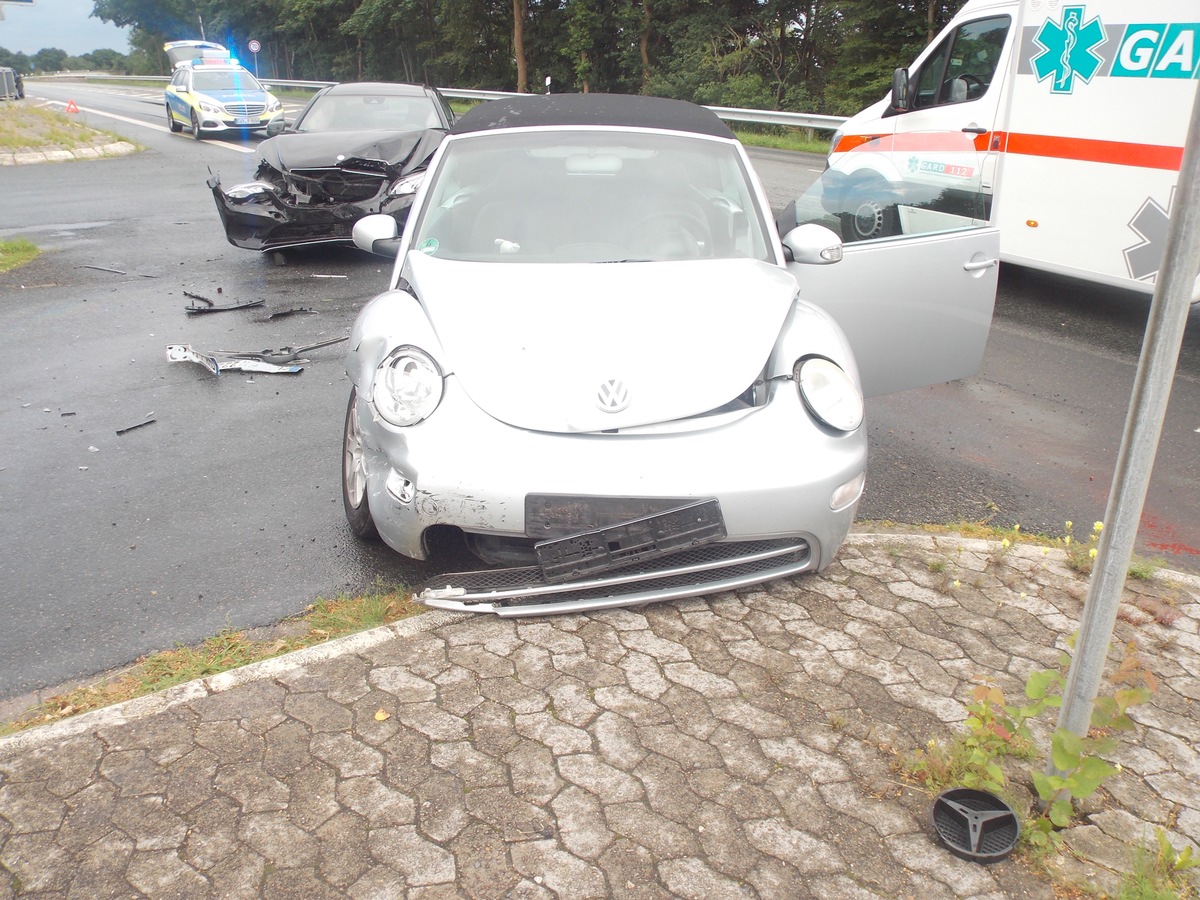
pixel 827 56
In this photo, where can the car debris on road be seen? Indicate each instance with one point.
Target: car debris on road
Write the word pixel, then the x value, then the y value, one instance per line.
pixel 210 307
pixel 284 361
pixel 150 420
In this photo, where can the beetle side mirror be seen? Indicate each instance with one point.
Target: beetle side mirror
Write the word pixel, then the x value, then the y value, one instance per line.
pixel 813 245
pixel 378 234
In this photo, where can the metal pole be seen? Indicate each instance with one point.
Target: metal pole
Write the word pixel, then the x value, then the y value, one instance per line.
pixel 1143 427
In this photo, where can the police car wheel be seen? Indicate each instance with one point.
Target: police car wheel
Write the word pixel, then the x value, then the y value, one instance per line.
pixel 172 124
pixel 196 133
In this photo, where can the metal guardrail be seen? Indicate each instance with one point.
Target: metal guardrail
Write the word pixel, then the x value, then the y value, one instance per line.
pixel 810 121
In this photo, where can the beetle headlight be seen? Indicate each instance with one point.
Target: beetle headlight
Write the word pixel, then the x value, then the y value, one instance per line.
pixel 408 386
pixel 829 394
pixel 406 186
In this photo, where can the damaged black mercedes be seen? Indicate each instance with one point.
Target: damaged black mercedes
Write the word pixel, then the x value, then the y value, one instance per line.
pixel 354 150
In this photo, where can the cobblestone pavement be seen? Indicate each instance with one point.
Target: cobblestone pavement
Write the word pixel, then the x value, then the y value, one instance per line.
pixel 740 745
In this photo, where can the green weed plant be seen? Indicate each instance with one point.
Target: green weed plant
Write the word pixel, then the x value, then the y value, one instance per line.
pixel 996 731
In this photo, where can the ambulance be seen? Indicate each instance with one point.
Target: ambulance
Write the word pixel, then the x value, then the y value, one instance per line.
pixel 1062 123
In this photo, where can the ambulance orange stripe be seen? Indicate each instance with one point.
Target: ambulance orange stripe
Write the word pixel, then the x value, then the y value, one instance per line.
pixel 1119 153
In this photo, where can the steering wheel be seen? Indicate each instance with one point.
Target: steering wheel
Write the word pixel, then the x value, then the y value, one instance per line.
pixel 673 235
pixel 974 82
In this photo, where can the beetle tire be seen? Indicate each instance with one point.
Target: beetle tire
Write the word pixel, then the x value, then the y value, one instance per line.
pixel 354 486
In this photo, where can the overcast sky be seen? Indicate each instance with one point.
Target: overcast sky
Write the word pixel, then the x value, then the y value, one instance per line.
pixel 65 24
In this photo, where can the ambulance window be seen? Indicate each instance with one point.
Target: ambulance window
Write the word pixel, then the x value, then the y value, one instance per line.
pixel 963 66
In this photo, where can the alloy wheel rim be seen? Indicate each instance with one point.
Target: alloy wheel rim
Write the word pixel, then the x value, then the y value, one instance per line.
pixel 353 464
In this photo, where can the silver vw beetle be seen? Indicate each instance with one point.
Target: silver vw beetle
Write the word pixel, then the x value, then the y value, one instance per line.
pixel 602 365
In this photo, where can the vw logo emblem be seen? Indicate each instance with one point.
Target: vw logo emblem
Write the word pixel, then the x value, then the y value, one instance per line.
pixel 613 396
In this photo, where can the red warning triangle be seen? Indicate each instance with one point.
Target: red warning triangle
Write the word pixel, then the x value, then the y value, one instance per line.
pixel 71 107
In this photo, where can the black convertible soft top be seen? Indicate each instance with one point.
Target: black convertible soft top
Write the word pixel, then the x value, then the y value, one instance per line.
pixel 631 110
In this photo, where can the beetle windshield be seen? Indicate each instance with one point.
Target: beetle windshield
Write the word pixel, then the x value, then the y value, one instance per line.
pixel 587 195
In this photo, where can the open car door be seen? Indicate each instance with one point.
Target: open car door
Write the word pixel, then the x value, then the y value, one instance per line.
pixel 915 289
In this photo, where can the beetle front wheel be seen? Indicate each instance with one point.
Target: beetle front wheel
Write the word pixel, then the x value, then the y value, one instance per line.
pixel 354 476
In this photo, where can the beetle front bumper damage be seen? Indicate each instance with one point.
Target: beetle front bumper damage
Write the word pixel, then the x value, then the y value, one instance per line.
pixel 678 552
pixel 702 569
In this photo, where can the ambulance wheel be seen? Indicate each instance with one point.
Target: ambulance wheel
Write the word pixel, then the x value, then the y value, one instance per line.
pixel 870 211
pixel 172 124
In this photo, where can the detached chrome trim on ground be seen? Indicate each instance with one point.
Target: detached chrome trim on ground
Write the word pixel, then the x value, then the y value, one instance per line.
pixel 714 567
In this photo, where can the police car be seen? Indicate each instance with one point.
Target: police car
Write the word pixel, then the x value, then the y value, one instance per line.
pixel 210 92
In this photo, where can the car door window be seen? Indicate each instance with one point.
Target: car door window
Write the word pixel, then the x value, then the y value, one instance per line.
pixel 963 66
pixel 878 191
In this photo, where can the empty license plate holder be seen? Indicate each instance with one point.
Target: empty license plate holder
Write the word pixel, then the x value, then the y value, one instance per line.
pixel 617 546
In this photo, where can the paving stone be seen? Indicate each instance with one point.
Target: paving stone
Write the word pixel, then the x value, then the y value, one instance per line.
pixel 560 872
pixel 741 744
pixel 403 684
pixel 148 822
pixel 588 771
pixel 163 874
pixel 102 867
pixel 313 792
pixel 277 840
pixel 645 641
pixel 570 699
pixel 561 738
pixel 692 878
pixel 418 860
pixel 620 700
pixel 667 788
pixel 580 818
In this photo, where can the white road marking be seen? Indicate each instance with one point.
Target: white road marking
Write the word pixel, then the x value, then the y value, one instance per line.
pixel 150 125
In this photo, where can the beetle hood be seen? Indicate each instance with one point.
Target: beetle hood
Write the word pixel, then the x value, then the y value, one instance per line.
pixel 582 347
pixel 399 151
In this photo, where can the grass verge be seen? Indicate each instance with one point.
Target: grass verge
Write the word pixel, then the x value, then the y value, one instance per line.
pixel 16 253
pixel 321 622
pixel 26 128
pixel 796 140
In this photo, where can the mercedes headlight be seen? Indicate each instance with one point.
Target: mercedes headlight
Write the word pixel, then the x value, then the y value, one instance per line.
pixel 208 107
pixel 828 393
pixel 406 186
pixel 275 106
pixel 408 386
pixel 249 190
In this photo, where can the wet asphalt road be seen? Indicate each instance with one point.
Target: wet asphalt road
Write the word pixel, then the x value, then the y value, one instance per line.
pixel 225 512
